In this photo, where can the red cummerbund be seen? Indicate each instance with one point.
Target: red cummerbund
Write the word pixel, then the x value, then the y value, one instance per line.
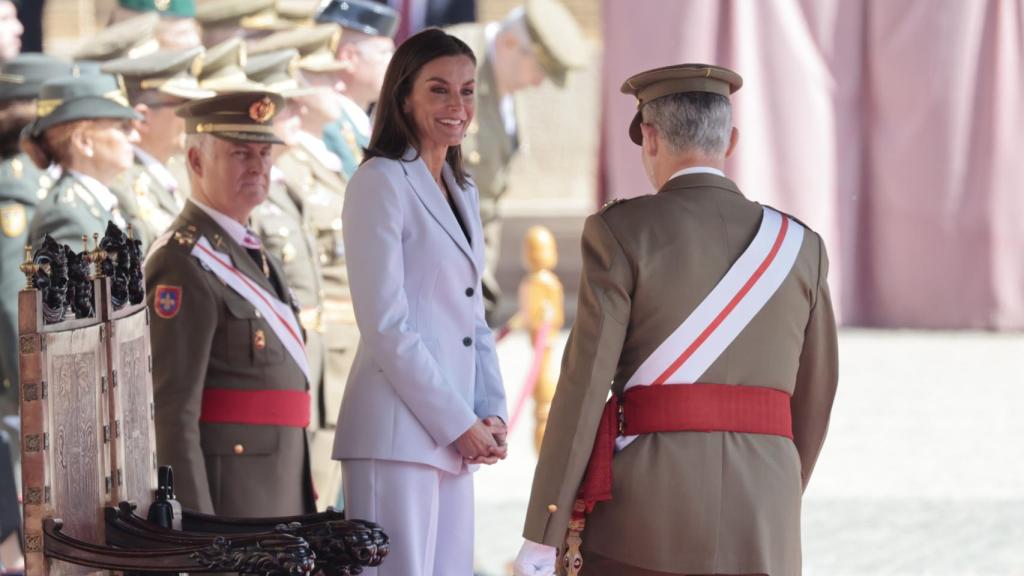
pixel 706 408
pixel 264 407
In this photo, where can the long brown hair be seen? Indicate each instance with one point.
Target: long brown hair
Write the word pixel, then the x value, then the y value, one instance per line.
pixel 393 131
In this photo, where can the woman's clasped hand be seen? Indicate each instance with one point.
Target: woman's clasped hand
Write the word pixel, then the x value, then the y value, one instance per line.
pixel 484 441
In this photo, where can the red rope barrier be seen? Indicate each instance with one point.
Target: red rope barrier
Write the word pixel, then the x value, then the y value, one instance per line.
pixel 533 375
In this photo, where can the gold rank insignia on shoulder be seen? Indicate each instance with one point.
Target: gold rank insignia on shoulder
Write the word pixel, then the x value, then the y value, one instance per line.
pixel 611 203
pixel 141 184
pixel 186 236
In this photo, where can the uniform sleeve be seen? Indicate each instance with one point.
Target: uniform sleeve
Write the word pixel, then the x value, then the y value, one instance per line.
pixel 818 375
pixel 588 367
pixel 372 226
pixel 62 222
pixel 181 351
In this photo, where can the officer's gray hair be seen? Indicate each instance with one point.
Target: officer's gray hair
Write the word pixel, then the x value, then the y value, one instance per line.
pixel 692 121
pixel 201 142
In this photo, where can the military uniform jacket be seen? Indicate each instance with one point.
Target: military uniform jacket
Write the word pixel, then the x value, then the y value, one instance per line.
pixel 21 185
pixel 348 137
pixel 687 502
pixel 321 194
pixel 487 148
pixel 146 202
pixel 70 210
pixel 215 338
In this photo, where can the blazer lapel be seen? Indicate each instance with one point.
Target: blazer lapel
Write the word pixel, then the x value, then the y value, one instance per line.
pixel 223 243
pixel 467 213
pixel 432 198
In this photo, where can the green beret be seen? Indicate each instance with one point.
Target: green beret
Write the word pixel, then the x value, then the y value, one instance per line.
pixel 676 79
pixel 79 98
pixel 175 8
pixel 131 38
pixel 558 42
pixel 172 72
pixel 23 76
pixel 236 116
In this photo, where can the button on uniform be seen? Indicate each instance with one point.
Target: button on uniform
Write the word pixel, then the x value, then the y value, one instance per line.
pixel 239 449
pixel 552 508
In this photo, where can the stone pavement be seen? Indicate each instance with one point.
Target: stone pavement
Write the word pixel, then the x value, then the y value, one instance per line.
pixel 922 472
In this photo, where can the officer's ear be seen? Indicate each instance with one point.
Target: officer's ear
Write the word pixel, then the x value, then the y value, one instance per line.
pixel 142 124
pixel 734 137
pixel 195 160
pixel 651 140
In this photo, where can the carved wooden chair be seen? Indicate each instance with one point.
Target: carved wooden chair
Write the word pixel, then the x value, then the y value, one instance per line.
pixel 89 441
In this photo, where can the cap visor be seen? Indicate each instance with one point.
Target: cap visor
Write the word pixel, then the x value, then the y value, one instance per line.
pixel 635 134
pixel 247 137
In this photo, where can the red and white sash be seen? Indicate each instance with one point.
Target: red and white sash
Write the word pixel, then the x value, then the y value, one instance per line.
pixel 278 314
pixel 691 349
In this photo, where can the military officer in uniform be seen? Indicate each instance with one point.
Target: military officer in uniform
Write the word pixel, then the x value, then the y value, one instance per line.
pixel 224 19
pixel 149 195
pixel 21 185
pixel 708 316
pixel 230 419
pixel 367 43
pixel 130 38
pixel 177 29
pixel 538 40
pixel 312 175
pixel 84 125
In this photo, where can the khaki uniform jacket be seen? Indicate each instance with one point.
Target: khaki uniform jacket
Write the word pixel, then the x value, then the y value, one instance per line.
pixel 322 194
pixel 218 339
pixel 21 186
pixel 146 203
pixel 686 502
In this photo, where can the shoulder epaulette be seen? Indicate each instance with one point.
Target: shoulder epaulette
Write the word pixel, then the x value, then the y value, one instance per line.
pixel 609 204
pixel 186 236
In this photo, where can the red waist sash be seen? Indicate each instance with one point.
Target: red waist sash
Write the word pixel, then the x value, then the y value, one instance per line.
pixel 264 407
pixel 681 408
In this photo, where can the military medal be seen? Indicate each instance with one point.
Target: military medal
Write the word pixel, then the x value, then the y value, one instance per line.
pixel 260 340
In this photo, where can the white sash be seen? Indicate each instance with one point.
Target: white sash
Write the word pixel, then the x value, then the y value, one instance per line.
pixel 278 314
pixel 691 349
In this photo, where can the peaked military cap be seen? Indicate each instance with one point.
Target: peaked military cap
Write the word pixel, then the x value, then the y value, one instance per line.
pixel 299 12
pixel 676 79
pixel 173 73
pixel 276 72
pixel 243 13
pixel 23 76
pixel 131 38
pixel 236 116
pixel 79 98
pixel 174 8
pixel 317 46
pixel 558 42
pixel 373 18
pixel 223 68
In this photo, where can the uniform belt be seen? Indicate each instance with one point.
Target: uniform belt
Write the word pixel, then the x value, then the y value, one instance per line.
pixel 681 408
pixel 262 407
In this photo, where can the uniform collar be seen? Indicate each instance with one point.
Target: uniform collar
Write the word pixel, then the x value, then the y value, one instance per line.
pixel 235 230
pixel 698 170
pixel 99 191
pixel 157 169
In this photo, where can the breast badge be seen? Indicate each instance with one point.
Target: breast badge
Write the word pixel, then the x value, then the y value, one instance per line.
pixel 13 220
pixel 168 301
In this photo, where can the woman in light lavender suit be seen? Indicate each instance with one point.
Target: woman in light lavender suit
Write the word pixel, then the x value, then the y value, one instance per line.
pixel 424 402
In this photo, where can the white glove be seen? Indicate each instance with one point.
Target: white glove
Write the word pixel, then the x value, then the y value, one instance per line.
pixel 535 560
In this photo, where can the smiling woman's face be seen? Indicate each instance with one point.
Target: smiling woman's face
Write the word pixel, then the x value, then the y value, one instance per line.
pixel 442 102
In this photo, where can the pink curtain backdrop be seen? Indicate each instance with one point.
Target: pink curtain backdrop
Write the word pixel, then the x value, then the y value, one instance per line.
pixel 894 129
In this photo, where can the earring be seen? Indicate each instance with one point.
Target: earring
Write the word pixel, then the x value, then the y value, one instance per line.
pixel 88 152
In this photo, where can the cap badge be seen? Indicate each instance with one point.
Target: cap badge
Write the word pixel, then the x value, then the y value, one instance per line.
pixel 262 110
pixel 162 5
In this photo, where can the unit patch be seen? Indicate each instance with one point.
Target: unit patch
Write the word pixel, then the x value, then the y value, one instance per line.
pixel 168 301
